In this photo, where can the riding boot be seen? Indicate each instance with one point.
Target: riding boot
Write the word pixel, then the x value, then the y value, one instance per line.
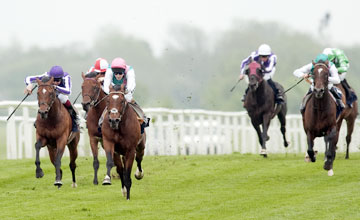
pixel 350 95
pixel 141 114
pixel 74 118
pixel 337 94
pixel 305 99
pixel 278 96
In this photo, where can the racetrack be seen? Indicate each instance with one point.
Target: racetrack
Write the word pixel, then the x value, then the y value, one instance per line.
pixel 188 187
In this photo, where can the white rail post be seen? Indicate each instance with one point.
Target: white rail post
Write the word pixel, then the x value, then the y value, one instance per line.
pixel 182 147
pixel 11 136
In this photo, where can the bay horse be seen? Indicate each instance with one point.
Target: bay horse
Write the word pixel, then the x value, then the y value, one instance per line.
pixel 260 105
pixel 94 103
pixel 349 114
pixel 53 129
pixel 319 118
pixel 122 136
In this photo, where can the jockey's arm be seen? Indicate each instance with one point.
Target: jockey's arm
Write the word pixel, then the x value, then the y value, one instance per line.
pixel 334 76
pixel 31 79
pixel 130 77
pixel 66 89
pixel 244 65
pixel 303 72
pixel 107 80
pixel 271 68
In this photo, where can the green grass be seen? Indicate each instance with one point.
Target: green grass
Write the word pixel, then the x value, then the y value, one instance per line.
pixel 188 187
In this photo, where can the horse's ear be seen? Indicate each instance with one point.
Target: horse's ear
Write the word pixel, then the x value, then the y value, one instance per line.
pixel 313 63
pixel 83 75
pixel 111 87
pixel 122 88
pixel 51 80
pixel 38 81
pixel 327 62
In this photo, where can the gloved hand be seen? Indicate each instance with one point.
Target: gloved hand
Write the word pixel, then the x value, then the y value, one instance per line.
pixel 28 89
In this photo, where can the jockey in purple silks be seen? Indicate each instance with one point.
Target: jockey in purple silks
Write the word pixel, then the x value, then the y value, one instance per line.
pixel 267 60
pixel 62 81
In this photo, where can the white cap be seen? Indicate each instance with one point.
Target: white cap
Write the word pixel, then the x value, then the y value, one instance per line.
pixel 264 50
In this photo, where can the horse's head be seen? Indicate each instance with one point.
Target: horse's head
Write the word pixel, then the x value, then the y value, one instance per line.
pixel 116 105
pixel 255 75
pixel 321 77
pixel 46 96
pixel 90 90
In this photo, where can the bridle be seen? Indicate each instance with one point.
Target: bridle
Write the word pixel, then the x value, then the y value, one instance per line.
pixel 115 110
pixel 93 101
pixel 53 96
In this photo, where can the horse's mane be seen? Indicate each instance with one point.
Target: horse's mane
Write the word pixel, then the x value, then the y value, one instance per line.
pixel 91 75
pixel 45 79
pixel 117 87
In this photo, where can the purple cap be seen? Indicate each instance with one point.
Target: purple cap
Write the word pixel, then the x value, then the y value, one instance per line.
pixel 56 72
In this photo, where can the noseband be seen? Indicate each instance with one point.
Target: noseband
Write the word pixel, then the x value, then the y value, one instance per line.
pixel 51 101
pixel 115 110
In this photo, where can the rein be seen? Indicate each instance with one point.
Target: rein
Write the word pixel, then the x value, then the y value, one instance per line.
pixel 94 102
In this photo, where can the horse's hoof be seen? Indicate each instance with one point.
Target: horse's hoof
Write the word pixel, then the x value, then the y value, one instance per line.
pixel 330 172
pixel 286 144
pixel 95 182
pixel 139 175
pixel 263 153
pixel 124 191
pixel 107 180
pixel 58 183
pixel 39 173
pixel 74 185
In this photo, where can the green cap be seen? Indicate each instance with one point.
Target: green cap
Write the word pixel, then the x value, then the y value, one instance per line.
pixel 321 57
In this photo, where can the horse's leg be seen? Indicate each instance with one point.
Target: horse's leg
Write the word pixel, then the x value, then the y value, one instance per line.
pixel 109 151
pixel 73 155
pixel 258 131
pixel 39 143
pixel 94 149
pixel 129 160
pixel 120 171
pixel 310 151
pixel 60 147
pixel 331 138
pixel 264 136
pixel 139 174
pixel 282 119
pixel 350 128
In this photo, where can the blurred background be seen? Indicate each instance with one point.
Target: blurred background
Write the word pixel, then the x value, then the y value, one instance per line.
pixel 186 54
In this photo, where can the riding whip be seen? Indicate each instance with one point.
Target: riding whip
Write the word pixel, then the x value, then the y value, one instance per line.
pixel 20 103
pixel 235 85
pixel 77 98
pixel 293 85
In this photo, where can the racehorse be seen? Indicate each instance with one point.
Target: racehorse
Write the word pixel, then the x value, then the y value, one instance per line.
pixel 122 136
pixel 94 103
pixel 260 102
pixel 53 129
pixel 349 114
pixel 319 118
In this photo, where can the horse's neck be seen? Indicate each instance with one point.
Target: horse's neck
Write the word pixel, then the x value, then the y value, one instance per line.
pixel 102 105
pixel 54 112
pixel 259 95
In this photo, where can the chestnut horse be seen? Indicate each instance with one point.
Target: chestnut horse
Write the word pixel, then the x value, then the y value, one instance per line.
pixel 260 105
pixel 122 136
pixel 319 118
pixel 349 114
pixel 53 129
pixel 94 103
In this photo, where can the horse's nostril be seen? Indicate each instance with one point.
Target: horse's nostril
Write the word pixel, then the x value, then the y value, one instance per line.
pixel 110 120
pixel 117 120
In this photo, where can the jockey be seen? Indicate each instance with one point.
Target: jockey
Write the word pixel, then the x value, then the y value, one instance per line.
pixel 267 59
pixel 100 67
pixel 341 62
pixel 62 81
pixel 306 71
pixel 119 74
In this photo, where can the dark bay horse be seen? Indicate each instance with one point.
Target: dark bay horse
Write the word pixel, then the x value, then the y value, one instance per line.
pixel 122 136
pixel 94 103
pixel 260 105
pixel 349 114
pixel 319 118
pixel 53 129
